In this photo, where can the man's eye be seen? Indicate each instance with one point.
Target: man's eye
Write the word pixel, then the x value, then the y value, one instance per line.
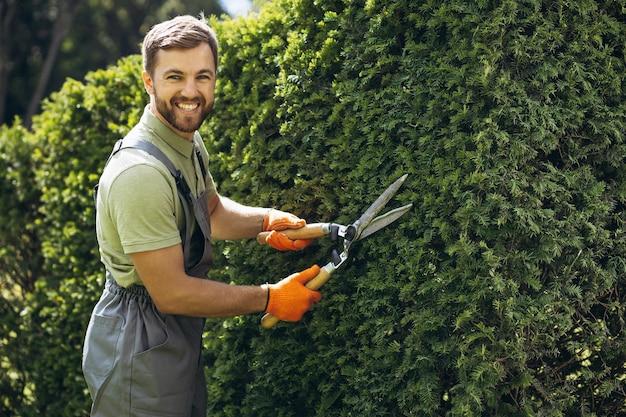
pixel 173 77
pixel 204 77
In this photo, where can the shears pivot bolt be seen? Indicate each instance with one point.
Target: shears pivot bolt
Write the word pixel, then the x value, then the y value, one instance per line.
pixel 350 232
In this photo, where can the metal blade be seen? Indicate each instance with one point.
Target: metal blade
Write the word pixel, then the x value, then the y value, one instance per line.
pixel 380 202
pixel 384 221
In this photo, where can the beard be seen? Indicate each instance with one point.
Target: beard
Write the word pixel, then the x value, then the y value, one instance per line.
pixel 178 118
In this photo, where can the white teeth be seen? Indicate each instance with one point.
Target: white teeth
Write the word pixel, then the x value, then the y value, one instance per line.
pixel 186 106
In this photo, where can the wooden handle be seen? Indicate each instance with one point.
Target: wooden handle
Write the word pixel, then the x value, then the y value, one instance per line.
pixel 268 321
pixel 309 231
pixel 320 279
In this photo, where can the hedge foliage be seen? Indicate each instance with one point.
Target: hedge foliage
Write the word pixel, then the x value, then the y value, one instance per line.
pixel 56 166
pixel 501 293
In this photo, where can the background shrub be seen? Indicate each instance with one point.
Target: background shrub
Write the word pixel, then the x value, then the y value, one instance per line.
pixel 60 163
pixel 501 293
pixel 20 257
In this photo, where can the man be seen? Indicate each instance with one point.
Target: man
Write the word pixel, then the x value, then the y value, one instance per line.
pixel 157 208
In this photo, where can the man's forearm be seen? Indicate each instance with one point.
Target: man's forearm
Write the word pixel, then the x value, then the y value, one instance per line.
pixel 175 292
pixel 205 298
pixel 231 220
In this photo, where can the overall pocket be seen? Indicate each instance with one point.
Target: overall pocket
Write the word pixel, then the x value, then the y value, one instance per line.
pixel 100 350
pixel 162 376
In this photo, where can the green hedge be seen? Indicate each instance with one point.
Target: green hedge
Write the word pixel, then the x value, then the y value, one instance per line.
pixel 500 293
pixel 20 257
pixel 66 150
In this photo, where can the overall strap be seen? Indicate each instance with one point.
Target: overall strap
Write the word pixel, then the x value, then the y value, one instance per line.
pixel 181 184
pixel 194 208
pixel 153 150
pixel 201 162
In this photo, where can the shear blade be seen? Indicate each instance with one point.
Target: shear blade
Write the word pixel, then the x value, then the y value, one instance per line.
pixel 383 221
pixel 369 214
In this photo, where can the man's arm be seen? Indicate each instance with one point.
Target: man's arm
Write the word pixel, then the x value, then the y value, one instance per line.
pixel 231 220
pixel 175 292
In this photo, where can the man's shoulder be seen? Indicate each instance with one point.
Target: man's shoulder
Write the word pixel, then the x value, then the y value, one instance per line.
pixel 131 169
pixel 141 182
pixel 137 161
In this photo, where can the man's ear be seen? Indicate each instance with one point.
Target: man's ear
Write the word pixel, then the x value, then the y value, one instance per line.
pixel 147 82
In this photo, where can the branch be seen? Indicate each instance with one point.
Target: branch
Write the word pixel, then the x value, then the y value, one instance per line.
pixel 7 13
pixel 62 24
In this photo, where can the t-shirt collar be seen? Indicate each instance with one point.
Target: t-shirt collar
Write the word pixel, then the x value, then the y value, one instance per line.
pixel 181 145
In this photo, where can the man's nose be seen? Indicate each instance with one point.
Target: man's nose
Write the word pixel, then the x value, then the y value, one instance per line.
pixel 190 89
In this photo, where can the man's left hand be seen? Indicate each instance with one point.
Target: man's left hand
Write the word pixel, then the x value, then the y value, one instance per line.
pixel 276 220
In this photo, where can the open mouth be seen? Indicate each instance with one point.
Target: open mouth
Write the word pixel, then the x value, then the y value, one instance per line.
pixel 188 107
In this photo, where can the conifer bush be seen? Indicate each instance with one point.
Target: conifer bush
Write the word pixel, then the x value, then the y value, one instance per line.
pixel 65 153
pixel 500 294
pixel 20 259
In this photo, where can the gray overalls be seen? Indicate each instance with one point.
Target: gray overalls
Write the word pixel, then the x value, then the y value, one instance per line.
pixel 138 361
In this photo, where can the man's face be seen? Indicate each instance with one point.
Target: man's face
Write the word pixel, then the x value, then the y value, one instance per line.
pixel 182 87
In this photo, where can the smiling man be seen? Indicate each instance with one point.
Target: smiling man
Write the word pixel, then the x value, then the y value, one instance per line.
pixel 157 209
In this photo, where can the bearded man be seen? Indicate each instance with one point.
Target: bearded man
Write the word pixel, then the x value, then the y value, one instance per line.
pixel 157 209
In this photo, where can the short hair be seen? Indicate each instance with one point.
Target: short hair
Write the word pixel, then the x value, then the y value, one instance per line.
pixel 180 32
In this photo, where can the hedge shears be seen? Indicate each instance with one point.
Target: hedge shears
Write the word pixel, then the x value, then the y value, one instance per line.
pixel 365 226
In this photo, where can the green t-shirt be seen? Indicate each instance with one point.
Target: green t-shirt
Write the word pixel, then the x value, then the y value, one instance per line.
pixel 137 207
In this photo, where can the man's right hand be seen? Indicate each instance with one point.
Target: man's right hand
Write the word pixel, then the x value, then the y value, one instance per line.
pixel 289 299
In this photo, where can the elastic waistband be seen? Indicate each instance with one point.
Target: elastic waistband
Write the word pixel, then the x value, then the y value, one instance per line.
pixel 138 291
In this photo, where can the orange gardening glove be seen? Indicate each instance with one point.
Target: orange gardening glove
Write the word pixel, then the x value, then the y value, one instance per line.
pixel 281 242
pixel 280 220
pixel 289 299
